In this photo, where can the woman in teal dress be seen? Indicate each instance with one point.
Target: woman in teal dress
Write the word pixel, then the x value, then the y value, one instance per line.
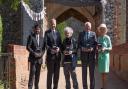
pixel 104 48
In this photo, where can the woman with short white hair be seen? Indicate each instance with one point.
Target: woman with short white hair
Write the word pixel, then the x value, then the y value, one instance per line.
pixel 69 61
pixel 68 31
pixel 104 47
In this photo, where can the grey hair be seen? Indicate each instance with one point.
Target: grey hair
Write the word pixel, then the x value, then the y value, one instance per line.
pixel 68 29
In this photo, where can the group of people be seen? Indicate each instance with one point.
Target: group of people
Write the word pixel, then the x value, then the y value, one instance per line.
pixel 88 44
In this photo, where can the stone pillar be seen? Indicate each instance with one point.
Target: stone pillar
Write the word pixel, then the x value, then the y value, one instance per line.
pixel 119 22
pixel 108 16
pixel 103 5
pixel 28 23
pixel 18 68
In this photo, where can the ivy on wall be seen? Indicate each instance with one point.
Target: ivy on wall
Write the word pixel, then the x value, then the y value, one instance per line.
pixel 60 28
pixel 13 3
pixel 1 30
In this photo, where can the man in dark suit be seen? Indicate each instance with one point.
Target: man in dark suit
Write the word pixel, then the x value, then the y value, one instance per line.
pixel 53 58
pixel 36 48
pixel 87 45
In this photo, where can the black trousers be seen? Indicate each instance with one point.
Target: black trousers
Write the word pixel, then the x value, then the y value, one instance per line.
pixel 69 71
pixel 34 75
pixel 91 74
pixel 53 67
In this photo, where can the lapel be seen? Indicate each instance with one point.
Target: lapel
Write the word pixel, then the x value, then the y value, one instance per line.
pixel 34 40
pixel 40 40
pixel 51 35
pixel 82 36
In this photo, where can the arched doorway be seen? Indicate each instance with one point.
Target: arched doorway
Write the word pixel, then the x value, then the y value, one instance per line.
pixel 72 18
pixel 71 13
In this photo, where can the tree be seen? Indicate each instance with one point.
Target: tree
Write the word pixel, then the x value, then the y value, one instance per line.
pixel 13 3
pixel 60 28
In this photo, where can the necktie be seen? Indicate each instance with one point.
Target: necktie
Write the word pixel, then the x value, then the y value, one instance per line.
pixel 37 38
pixel 54 35
pixel 86 36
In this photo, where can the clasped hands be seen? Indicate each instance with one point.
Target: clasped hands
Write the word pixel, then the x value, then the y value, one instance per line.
pixel 102 49
pixel 55 50
pixel 68 52
pixel 37 54
pixel 87 49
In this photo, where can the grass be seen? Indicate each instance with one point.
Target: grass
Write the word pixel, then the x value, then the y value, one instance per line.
pixel 78 62
pixel 1 85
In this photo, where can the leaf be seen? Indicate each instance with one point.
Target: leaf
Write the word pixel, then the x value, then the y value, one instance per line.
pixel 14 3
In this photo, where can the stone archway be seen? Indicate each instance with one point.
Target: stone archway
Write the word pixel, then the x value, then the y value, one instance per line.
pixel 74 19
pixel 56 10
pixel 71 13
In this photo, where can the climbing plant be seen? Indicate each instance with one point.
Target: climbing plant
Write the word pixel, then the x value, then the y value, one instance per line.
pixel 13 3
pixel 61 27
pixel 1 30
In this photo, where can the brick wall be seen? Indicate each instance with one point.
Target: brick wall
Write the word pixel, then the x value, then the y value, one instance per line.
pixel 19 64
pixel 119 61
pixel 18 67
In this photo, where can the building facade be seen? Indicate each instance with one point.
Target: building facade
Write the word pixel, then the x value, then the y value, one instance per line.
pixel 75 12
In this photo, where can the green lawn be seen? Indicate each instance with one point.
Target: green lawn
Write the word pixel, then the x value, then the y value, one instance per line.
pixel 78 62
pixel 1 85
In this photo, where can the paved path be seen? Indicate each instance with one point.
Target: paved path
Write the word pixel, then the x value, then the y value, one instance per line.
pixel 113 81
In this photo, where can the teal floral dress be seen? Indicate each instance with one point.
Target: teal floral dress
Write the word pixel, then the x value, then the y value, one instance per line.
pixel 103 57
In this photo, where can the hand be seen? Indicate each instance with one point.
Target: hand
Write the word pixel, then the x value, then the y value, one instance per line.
pixel 37 54
pixel 103 49
pixel 53 51
pixel 58 49
pixel 90 50
pixel 68 52
pixel 87 50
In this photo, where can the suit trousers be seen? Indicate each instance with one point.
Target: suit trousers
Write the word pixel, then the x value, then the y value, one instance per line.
pixel 70 71
pixel 91 66
pixel 53 67
pixel 34 75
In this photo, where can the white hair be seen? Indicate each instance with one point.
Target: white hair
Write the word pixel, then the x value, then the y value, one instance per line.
pixel 88 24
pixel 68 29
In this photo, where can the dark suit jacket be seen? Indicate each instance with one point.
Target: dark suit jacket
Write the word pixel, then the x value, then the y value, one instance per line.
pixel 92 41
pixel 49 41
pixel 73 46
pixel 32 47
